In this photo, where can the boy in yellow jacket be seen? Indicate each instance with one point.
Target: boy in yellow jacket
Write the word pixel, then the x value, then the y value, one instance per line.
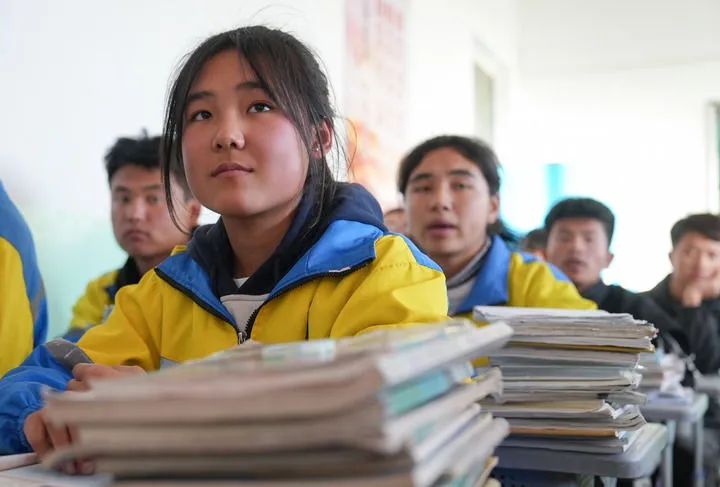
pixel 141 223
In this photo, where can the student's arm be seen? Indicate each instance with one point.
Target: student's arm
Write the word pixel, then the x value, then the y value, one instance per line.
pixel 124 339
pixel 399 287
pixel 701 332
pixel 16 318
pixel 538 285
pixel 20 396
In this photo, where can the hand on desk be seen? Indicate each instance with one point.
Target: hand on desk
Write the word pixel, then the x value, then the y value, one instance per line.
pixel 44 436
pixel 84 373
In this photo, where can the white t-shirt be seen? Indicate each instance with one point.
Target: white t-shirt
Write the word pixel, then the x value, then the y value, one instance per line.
pixel 242 306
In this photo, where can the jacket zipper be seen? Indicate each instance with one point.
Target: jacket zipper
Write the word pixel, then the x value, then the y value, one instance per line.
pixel 242 336
pixel 251 321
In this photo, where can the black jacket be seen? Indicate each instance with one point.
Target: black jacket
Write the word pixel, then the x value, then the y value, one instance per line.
pixel 699 333
pixel 616 299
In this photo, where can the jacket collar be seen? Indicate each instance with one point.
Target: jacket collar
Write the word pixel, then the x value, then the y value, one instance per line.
pixel 491 284
pixel 347 240
pixel 127 274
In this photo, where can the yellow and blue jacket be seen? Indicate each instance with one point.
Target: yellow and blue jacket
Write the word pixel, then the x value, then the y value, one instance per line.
pixel 352 276
pixel 94 306
pixel 517 279
pixel 23 307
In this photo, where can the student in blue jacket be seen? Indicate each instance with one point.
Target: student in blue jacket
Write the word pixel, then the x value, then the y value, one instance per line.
pixel 451 187
pixel 295 254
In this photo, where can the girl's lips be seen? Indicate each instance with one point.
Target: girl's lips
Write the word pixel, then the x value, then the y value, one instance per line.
pixel 230 167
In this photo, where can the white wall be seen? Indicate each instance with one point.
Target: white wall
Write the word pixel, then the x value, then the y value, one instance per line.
pixel 617 91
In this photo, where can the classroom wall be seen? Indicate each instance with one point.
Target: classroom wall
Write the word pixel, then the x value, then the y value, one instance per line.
pixel 618 94
pixel 79 73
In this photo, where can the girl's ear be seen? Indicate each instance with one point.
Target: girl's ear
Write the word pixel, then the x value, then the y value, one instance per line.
pixel 322 138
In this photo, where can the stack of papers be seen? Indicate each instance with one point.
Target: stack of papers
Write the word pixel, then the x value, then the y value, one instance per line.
pixel 570 377
pixel 390 407
pixel 662 376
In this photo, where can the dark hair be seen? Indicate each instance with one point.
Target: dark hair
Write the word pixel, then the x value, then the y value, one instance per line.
pixel 534 240
pixel 473 149
pixel 143 151
pixel 582 208
pixel 706 224
pixel 290 74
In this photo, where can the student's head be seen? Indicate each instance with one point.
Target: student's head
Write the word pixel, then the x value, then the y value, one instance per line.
pixel 695 254
pixel 395 220
pixel 249 122
pixel 450 185
pixel 579 232
pixel 534 242
pixel 140 217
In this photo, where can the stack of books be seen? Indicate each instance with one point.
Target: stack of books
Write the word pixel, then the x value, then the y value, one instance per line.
pixel 570 378
pixel 391 407
pixel 662 376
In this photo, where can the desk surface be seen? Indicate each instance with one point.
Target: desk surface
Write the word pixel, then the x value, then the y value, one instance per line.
pixel 640 460
pixel 36 476
pixel 691 412
pixel 709 384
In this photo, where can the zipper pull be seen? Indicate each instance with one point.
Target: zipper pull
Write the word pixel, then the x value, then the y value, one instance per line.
pixel 242 336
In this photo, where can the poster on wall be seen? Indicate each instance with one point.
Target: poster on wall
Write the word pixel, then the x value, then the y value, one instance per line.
pixel 375 94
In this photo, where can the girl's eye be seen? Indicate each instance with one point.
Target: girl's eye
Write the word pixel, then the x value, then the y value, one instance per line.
pixel 200 115
pixel 259 107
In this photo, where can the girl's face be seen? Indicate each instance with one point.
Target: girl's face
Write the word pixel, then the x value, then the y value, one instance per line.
pixel 243 157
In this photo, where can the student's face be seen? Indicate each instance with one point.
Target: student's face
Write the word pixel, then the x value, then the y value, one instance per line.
pixel 449 206
pixel 695 258
pixel 579 247
pixel 140 216
pixel 243 157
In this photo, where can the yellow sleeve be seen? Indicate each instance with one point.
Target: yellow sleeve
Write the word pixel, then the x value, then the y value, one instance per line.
pixel 533 284
pixel 16 321
pixel 126 337
pixel 89 310
pixel 393 290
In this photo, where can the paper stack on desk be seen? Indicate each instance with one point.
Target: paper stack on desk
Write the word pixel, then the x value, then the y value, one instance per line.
pixel 569 377
pixel 662 376
pixel 390 407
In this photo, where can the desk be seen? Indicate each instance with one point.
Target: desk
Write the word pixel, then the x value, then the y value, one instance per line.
pixel 671 414
pixel 640 460
pixel 708 384
pixel 36 476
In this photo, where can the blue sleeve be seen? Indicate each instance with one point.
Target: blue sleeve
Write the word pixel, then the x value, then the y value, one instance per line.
pixel 20 396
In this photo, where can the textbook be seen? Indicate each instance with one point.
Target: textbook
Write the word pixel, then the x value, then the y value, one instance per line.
pixel 569 375
pixel 392 407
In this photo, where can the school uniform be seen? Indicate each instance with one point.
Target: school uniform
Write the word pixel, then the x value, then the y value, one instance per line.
pixel 498 276
pixel 23 307
pixel 94 306
pixel 346 276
